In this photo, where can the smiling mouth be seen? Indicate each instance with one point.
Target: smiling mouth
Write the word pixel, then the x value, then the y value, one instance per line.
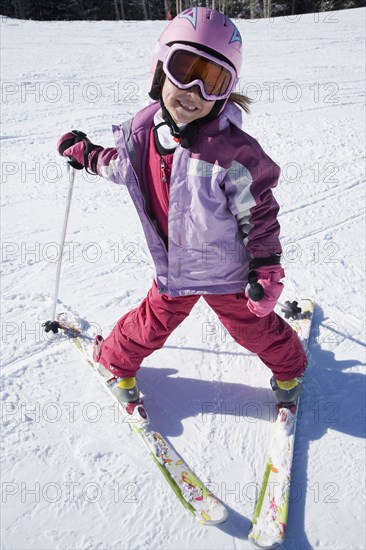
pixel 187 107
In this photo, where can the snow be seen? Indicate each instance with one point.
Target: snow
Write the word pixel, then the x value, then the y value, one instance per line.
pixel 72 475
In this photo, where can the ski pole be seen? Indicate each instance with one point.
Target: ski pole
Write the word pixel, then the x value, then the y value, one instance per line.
pixel 290 309
pixel 52 325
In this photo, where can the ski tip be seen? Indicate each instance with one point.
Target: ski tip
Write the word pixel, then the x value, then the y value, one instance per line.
pixel 258 545
pixel 307 305
pixel 215 519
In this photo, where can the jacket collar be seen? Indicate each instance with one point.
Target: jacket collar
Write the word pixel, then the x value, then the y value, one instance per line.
pixel 232 114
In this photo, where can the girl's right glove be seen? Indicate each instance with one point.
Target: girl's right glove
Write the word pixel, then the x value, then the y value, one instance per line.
pixel 269 278
pixel 80 151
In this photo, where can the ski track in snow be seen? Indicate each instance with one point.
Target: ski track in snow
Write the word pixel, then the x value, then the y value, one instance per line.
pixel 72 475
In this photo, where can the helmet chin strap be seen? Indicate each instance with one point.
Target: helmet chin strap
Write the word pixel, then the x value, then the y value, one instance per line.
pixel 188 133
pixel 173 127
pixel 185 135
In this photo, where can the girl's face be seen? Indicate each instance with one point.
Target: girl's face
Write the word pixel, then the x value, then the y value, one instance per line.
pixel 185 106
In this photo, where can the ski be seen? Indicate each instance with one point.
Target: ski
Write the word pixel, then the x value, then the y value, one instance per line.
pixel 271 511
pixel 190 491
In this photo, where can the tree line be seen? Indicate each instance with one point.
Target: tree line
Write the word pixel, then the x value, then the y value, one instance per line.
pixel 52 10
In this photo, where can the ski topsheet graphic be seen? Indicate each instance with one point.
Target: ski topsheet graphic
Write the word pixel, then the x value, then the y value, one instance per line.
pixel 271 511
pixel 191 492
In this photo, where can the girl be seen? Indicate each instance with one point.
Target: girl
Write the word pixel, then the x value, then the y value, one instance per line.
pixel 202 189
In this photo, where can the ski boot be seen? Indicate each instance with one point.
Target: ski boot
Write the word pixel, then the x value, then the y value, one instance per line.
pixel 287 392
pixel 124 389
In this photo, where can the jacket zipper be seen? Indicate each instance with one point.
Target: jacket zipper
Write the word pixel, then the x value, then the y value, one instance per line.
pixel 164 178
pixel 165 181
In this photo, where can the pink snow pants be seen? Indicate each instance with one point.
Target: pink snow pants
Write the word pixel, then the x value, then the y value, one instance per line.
pixel 146 328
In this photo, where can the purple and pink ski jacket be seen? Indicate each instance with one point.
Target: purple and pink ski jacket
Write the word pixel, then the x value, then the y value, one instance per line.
pixel 222 212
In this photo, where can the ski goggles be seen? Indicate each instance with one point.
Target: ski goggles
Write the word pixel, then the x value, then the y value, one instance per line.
pixel 191 67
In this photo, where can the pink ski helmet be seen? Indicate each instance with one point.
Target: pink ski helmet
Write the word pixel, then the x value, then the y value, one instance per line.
pixel 207 30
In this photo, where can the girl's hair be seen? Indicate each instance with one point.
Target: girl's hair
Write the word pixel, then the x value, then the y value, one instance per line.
pixel 240 99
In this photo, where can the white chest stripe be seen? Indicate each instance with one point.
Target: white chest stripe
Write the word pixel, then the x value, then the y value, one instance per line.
pixel 203 169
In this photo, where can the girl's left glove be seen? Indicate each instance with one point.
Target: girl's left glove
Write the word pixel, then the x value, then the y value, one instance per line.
pixel 269 278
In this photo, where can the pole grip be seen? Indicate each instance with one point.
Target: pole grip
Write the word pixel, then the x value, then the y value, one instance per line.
pixel 255 292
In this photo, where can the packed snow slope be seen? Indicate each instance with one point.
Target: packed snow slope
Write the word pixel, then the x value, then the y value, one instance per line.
pixel 73 476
